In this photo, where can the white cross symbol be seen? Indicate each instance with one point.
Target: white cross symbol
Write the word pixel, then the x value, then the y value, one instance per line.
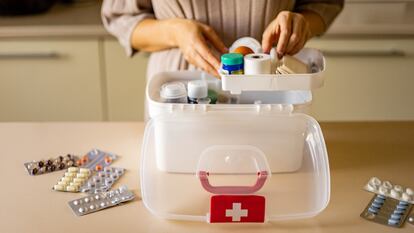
pixel 236 212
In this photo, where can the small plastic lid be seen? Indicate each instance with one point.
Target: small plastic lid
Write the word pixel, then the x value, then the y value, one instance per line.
pixel 197 89
pixel 173 90
pixel 232 59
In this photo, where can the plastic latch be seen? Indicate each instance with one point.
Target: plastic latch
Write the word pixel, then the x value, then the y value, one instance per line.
pixel 279 108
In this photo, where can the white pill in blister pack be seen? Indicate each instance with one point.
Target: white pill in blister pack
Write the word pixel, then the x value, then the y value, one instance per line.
pixel 387 189
pixel 96 202
pixel 103 180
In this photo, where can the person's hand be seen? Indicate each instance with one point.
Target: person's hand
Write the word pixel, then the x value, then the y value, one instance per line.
pixel 289 31
pixel 193 39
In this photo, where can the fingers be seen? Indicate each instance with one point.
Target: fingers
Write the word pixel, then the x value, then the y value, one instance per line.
pixel 270 36
pixel 285 25
pixel 212 36
pixel 202 49
pixel 195 58
pixel 297 34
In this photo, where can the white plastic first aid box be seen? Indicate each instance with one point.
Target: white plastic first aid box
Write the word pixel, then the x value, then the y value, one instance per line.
pixel 263 159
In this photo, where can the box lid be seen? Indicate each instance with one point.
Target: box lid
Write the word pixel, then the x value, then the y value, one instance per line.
pixel 187 159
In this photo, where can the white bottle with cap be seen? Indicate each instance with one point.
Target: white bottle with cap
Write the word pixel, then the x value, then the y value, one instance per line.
pixel 173 92
pixel 198 92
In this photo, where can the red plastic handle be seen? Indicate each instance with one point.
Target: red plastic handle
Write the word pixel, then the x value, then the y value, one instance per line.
pixel 261 179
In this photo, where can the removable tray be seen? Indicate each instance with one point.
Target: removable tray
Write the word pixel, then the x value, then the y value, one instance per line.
pixel 280 82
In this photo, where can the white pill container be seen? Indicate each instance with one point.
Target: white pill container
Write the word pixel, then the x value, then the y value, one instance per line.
pixel 267 132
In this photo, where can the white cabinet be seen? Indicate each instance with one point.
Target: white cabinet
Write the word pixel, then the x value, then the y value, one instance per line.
pixel 50 80
pixel 125 80
pixel 366 79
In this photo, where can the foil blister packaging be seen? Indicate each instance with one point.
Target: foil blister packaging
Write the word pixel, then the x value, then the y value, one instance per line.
pixel 99 201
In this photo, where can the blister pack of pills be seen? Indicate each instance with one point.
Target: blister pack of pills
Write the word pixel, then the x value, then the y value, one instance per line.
pixel 99 201
pixel 96 160
pixel 387 189
pixel 391 204
pixel 39 167
pixel 103 180
pixel 387 211
pixel 73 179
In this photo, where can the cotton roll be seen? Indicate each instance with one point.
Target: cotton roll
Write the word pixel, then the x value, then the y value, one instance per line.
pixel 257 63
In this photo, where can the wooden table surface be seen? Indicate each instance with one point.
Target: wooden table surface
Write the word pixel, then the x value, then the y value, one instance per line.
pixel 357 151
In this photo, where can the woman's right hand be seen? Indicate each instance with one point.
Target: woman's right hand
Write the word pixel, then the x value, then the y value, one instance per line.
pixel 192 38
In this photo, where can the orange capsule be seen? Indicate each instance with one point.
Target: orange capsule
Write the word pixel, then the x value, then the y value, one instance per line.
pixel 108 160
pixel 98 167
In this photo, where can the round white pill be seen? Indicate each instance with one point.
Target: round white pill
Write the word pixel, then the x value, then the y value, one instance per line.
pixel 387 184
pixel 409 191
pixel 103 204
pixel 382 190
pixel 375 181
pixel 395 194
pixel 91 207
pixel 86 199
pixel 406 197
pixel 398 188
pixel 76 202
pixel 97 197
pixel 81 210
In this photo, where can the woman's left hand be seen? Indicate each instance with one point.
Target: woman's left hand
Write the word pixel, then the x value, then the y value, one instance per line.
pixel 289 31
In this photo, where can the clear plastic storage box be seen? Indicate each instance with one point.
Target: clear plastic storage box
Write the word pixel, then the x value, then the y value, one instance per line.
pixel 241 162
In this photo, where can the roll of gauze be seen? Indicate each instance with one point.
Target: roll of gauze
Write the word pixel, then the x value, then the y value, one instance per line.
pixel 257 63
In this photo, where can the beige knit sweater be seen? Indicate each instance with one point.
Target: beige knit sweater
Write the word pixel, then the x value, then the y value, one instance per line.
pixel 231 19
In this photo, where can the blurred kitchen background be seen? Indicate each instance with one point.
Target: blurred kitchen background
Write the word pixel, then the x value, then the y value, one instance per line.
pixel 61 65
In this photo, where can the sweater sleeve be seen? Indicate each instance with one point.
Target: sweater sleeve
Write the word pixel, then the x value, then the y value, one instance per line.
pixel 120 17
pixel 327 9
